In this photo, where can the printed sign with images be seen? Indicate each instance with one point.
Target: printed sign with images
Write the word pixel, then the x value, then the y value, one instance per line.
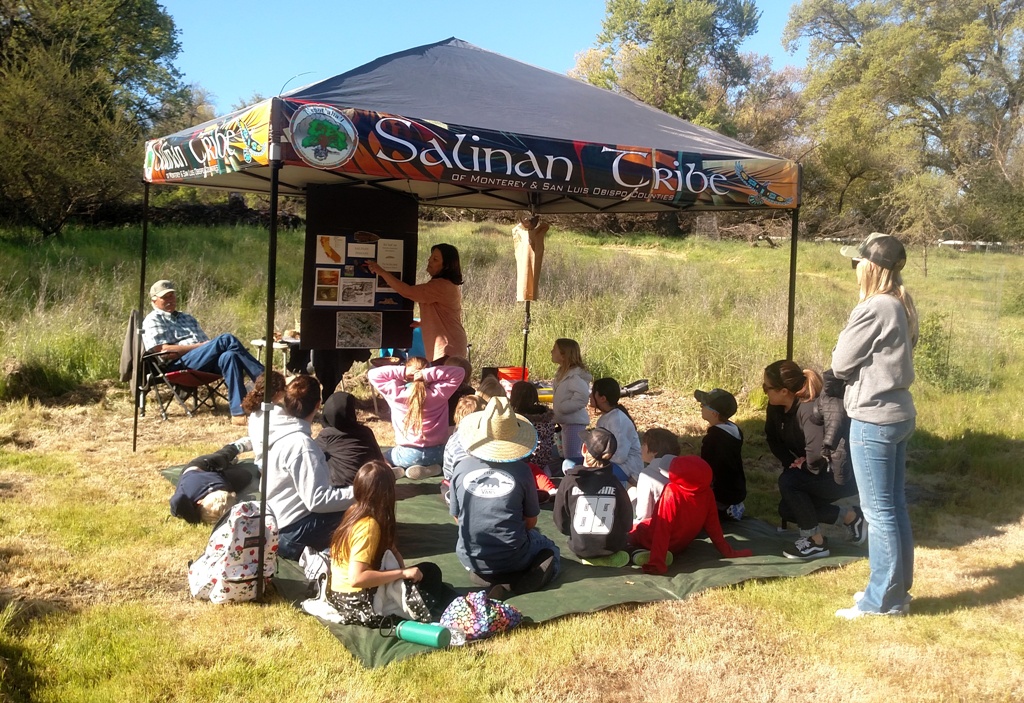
pixel 359 330
pixel 390 253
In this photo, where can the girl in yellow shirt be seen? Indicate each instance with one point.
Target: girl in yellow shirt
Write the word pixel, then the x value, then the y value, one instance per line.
pixel 358 549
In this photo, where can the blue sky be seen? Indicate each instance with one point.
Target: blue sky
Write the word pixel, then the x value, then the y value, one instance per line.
pixel 234 48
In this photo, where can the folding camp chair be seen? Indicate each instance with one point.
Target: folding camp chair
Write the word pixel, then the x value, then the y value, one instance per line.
pixel 191 389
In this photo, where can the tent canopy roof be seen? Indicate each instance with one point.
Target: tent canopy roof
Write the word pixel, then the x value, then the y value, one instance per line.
pixel 456 82
pixel 455 86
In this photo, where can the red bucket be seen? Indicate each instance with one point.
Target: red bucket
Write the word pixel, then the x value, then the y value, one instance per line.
pixel 513 373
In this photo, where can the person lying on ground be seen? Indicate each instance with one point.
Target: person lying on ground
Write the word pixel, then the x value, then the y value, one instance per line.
pixel 208 486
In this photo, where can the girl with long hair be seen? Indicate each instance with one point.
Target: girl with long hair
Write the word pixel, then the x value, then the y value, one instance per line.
pixel 358 549
pixel 571 393
pixel 875 357
pixel 418 397
pixel 798 435
pixel 440 301
pixel 604 398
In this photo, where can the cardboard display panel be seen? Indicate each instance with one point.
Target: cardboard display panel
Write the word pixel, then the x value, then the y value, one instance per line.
pixel 344 306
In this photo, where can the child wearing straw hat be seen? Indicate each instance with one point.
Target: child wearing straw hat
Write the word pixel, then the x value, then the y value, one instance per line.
pixel 494 501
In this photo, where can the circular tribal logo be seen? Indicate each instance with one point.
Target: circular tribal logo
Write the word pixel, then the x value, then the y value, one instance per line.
pixel 323 136
pixel 488 483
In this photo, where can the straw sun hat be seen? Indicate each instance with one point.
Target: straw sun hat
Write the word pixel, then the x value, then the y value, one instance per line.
pixel 497 434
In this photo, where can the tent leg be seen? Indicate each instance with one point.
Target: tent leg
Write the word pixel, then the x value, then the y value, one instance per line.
pixel 142 301
pixel 791 314
pixel 275 169
pixel 526 338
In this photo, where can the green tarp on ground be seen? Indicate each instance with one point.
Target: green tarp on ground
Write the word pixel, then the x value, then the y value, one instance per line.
pixel 427 533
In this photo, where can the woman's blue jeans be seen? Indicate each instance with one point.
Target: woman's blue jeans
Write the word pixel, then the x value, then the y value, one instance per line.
pixel 879 454
pixel 411 456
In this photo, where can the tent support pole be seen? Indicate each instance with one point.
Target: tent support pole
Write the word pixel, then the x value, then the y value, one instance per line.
pixel 526 338
pixel 791 315
pixel 268 365
pixel 142 301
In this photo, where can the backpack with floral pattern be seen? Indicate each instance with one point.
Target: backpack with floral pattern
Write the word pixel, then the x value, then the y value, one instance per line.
pixel 227 570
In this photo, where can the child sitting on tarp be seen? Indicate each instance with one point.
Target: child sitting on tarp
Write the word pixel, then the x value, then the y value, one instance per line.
pixel 368 577
pixel 454 452
pixel 604 398
pixel 208 486
pixel 722 448
pixel 658 447
pixel 592 506
pixel 345 442
pixel 686 507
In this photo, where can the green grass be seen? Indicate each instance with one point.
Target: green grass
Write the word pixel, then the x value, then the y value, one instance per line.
pixel 97 566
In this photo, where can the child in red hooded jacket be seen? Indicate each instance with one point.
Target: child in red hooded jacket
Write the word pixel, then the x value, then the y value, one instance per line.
pixel 687 506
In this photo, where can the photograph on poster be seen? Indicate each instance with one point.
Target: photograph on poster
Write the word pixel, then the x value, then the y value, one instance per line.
pixel 326 277
pixel 357 292
pixel 329 249
pixel 359 330
pixel 326 295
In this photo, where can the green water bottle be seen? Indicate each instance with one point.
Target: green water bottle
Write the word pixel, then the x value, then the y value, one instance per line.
pixel 429 633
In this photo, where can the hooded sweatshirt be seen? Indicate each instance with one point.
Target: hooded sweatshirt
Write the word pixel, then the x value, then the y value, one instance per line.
pixel 298 480
pixel 441 383
pixel 346 443
pixel 593 508
pixel 570 398
pixel 255 427
pixel 687 506
pixel 875 356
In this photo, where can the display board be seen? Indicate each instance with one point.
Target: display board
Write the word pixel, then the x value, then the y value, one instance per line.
pixel 344 306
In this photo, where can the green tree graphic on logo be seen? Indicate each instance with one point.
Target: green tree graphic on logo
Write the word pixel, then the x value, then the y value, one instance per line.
pixel 323 135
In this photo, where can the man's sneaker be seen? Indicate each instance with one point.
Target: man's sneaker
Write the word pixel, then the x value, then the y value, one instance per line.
pixel 858 529
pixel 903 609
pixel 616 561
pixel 643 556
pixel 805 548
pixel 417 472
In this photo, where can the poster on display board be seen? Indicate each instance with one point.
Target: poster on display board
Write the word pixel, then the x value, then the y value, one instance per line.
pixel 344 305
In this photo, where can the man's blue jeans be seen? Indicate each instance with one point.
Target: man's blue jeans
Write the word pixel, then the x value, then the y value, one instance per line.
pixel 225 355
pixel 879 454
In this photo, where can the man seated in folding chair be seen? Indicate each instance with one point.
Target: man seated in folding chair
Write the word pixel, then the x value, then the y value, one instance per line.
pixel 179 339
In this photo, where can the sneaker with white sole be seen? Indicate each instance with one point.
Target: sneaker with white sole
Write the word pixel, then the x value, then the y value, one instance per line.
pixel 858 529
pixel 615 561
pixel 805 548
pixel 643 556
pixel 855 612
pixel 904 609
pixel 417 472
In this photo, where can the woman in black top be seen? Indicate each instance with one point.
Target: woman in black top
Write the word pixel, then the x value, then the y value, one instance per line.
pixel 815 469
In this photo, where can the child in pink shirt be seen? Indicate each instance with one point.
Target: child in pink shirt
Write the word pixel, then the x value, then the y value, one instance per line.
pixel 418 398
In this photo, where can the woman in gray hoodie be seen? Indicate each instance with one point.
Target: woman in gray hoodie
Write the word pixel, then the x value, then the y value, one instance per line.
pixel 299 490
pixel 874 356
